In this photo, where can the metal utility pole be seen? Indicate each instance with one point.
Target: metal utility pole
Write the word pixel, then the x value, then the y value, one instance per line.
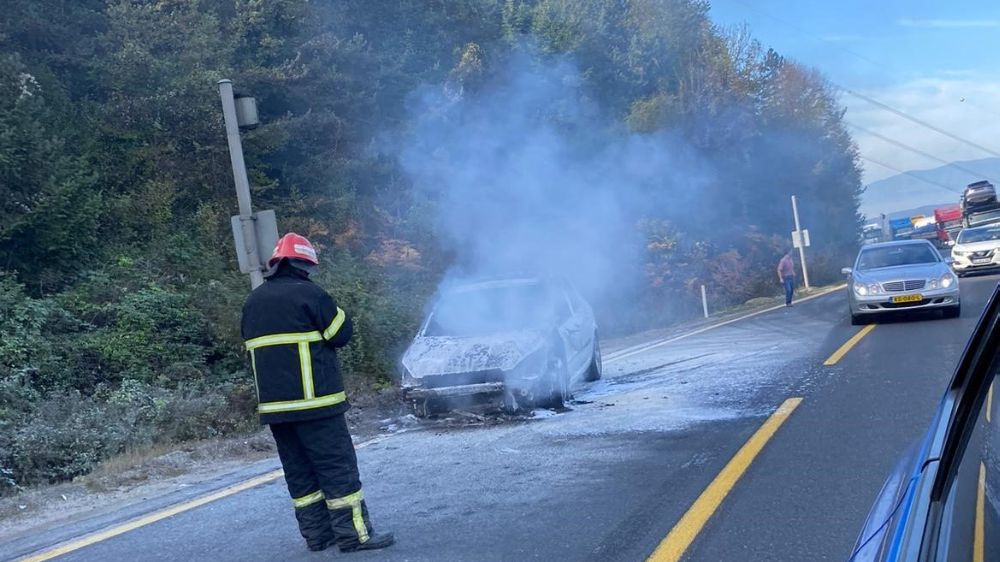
pixel 801 242
pixel 246 219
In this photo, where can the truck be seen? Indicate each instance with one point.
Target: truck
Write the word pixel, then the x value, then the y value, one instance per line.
pixel 924 228
pixel 949 224
pixel 871 233
pixel 979 204
pixel 900 229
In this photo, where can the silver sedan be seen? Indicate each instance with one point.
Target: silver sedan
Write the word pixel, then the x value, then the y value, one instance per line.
pixel 900 276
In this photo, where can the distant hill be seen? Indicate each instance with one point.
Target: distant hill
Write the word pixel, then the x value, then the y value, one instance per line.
pixel 902 192
pixel 926 210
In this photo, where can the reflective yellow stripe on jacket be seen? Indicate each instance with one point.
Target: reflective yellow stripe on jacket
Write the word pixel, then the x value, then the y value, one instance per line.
pixel 335 324
pixel 283 339
pixel 296 405
pixel 302 341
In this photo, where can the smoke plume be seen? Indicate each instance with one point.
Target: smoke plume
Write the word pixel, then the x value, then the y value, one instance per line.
pixel 528 176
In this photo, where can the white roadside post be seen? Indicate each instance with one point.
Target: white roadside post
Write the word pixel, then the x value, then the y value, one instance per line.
pixel 800 239
pixel 704 301
pixel 249 233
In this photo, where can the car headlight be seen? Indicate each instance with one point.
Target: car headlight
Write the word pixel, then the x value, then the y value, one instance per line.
pixel 957 252
pixel 861 289
pixel 947 280
pixel 934 284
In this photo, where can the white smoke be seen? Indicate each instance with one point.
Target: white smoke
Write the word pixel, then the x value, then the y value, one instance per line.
pixel 528 176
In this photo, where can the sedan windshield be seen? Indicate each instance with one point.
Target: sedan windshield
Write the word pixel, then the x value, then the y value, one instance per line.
pixel 894 256
pixel 490 311
pixel 973 235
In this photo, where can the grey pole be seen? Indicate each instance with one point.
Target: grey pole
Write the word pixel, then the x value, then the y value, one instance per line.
pixel 802 243
pixel 242 183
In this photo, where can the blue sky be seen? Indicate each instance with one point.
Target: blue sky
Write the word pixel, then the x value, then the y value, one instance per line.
pixel 938 61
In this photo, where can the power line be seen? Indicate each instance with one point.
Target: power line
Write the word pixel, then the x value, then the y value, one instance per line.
pixel 864 97
pixel 921 122
pixel 914 150
pixel 912 175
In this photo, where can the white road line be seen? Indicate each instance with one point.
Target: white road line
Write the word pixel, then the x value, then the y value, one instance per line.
pixel 642 348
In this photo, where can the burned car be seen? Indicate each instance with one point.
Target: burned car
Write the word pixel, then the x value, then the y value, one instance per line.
pixel 516 343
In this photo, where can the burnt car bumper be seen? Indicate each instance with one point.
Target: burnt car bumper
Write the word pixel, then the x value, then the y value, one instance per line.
pixel 453 384
pixel 421 393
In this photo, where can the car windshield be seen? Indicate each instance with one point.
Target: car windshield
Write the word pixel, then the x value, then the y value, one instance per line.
pixel 894 256
pixel 490 310
pixel 973 235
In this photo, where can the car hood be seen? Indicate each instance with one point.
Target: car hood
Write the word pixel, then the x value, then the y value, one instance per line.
pixel 445 355
pixel 977 246
pixel 903 272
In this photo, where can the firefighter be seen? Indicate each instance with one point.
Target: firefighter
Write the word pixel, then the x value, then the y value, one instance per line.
pixel 292 329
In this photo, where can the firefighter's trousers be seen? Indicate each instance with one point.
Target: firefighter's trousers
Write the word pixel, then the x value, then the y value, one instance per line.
pixel 321 470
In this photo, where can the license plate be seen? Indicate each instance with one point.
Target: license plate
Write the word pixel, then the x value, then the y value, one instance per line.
pixel 907 298
pixel 981 260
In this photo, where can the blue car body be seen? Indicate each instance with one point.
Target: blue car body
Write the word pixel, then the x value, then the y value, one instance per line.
pixel 923 510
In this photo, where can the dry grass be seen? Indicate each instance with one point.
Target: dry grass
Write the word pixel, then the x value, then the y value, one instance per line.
pixel 168 460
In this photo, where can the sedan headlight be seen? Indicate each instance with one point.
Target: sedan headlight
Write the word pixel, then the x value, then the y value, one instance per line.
pixel 861 289
pixel 865 289
pixel 947 280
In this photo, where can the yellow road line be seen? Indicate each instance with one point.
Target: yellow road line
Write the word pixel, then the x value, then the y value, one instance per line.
pixel 979 534
pixel 840 353
pixel 685 531
pixel 110 532
pixel 99 536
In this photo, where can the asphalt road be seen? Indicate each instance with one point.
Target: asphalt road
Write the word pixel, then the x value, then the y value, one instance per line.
pixel 611 478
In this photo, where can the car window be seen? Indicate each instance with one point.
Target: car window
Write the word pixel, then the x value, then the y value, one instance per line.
pixel 963 521
pixel 973 235
pixel 971 520
pixel 893 256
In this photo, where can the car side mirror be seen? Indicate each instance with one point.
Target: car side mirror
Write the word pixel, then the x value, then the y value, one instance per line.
pixel 950 243
pixel 847 271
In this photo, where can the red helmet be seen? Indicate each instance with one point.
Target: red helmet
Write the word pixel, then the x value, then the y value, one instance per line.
pixel 293 246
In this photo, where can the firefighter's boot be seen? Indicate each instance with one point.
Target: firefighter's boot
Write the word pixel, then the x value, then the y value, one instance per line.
pixel 314 525
pixel 354 530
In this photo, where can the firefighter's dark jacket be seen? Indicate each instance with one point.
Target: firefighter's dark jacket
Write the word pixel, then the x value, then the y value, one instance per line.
pixel 292 328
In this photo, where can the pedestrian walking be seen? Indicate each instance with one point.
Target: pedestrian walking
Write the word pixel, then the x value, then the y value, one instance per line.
pixel 786 275
pixel 292 329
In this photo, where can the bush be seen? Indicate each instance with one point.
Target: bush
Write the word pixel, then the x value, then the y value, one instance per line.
pixel 67 434
pixel 109 366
